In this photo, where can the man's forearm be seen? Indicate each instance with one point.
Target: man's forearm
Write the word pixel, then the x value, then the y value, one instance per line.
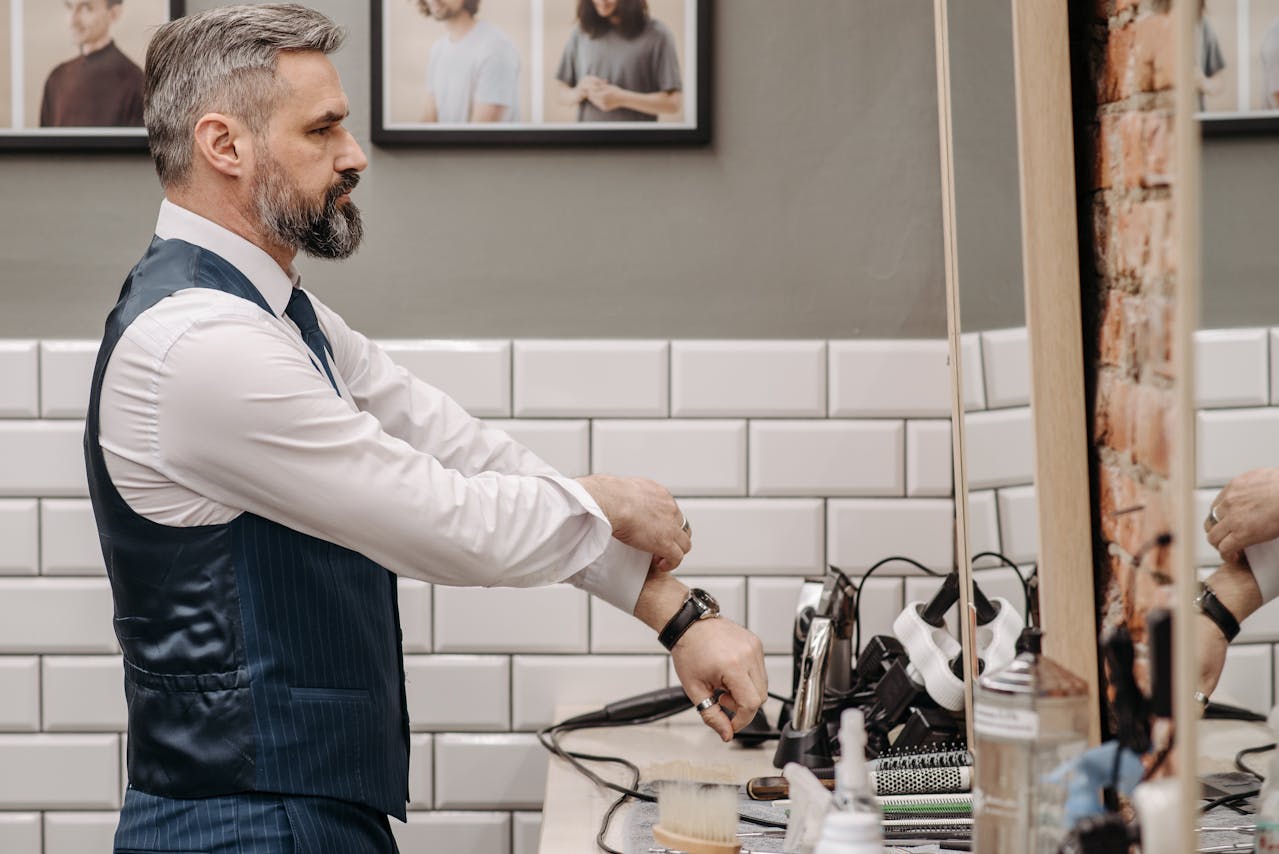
pixel 659 599
pixel 1236 588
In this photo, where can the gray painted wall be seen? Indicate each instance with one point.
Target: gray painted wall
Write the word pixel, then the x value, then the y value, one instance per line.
pixel 987 186
pixel 815 212
pixel 1240 252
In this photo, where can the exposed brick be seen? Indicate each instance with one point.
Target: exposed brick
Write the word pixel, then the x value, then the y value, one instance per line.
pixel 1115 78
pixel 1131 129
pixel 1154 50
pixel 1110 500
pixel 1102 139
pixel 1159 332
pixel 1102 243
pixel 1160 249
pixel 1131 238
pixel 1157 143
pixel 1113 347
pixel 1151 445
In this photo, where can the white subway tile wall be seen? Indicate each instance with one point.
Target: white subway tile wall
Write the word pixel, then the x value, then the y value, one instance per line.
pixel 477 374
pixel 69 542
pixel 19 387
pixel 19 536
pixel 66 369
pixel 787 456
pixel 1232 368
pixel 748 378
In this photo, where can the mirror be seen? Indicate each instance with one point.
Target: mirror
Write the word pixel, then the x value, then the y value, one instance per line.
pixel 1236 387
pixel 998 448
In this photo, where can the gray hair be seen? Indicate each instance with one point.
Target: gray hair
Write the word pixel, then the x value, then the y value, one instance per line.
pixel 222 60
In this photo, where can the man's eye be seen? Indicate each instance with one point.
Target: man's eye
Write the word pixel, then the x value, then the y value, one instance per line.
pixel 322 131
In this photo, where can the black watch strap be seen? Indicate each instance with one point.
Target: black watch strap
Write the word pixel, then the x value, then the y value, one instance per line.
pixel 697 605
pixel 1210 606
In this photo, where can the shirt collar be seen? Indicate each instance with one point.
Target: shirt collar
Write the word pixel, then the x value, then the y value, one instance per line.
pixel 276 286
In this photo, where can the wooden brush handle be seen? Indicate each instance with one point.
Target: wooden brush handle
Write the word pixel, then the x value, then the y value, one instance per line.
pixel 774 788
pixel 688 844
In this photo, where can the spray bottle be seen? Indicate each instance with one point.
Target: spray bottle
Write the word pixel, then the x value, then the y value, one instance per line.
pixel 855 823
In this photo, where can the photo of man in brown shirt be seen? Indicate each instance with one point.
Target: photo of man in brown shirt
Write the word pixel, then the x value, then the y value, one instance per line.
pixel 101 87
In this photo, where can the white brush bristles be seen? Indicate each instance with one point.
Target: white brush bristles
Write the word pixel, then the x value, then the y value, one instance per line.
pixel 703 811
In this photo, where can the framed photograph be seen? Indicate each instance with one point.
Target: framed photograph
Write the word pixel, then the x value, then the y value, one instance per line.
pixel 71 72
pixel 1238 66
pixel 534 72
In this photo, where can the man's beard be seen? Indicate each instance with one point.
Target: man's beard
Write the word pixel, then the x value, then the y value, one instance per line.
pixel 327 230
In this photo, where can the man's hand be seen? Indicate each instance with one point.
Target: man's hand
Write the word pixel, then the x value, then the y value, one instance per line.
pixel 1212 653
pixel 1247 513
pixel 644 515
pixel 717 655
pixel 714 655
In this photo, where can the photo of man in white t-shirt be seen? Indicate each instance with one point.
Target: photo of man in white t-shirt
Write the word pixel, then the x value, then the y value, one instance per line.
pixel 474 68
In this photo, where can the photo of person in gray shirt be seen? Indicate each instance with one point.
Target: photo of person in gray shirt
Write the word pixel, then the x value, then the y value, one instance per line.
pixel 474 68
pixel 620 64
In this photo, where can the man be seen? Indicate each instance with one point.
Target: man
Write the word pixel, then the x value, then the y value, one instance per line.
pixel 474 71
pixel 101 87
pixel 256 467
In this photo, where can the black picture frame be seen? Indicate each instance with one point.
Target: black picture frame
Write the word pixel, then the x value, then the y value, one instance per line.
pixel 695 130
pixel 1239 30
pixel 88 139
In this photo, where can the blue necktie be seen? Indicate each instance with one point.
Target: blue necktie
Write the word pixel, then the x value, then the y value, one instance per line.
pixel 301 312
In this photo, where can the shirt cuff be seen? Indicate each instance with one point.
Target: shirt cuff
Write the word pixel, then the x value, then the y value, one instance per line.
pixel 617 576
pixel 1263 560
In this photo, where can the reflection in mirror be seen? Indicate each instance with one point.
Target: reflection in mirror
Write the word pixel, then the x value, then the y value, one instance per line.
pixel 1236 469
pixel 998 433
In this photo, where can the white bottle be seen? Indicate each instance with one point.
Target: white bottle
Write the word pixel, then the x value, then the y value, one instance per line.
pixel 1267 816
pixel 855 823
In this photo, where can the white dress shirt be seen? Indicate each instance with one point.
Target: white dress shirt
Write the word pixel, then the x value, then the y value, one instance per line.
pixel 211 407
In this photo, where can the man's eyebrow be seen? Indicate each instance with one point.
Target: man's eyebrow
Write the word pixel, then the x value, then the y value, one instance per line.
pixel 330 117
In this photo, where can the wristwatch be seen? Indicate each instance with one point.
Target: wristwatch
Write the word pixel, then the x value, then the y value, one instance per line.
pixel 1212 608
pixel 698 605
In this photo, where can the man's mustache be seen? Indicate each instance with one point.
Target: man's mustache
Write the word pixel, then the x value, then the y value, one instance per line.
pixel 345 184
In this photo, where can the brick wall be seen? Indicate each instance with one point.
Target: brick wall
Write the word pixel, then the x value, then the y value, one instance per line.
pixel 1123 58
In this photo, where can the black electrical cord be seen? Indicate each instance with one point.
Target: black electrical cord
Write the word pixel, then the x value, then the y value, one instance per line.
pixel 857 601
pixel 1228 800
pixel 1232 799
pixel 1025 588
pixel 549 737
pixel 1248 751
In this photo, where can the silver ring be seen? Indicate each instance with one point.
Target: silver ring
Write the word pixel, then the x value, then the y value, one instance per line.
pixel 705 704
pixel 1212 514
pixel 685 527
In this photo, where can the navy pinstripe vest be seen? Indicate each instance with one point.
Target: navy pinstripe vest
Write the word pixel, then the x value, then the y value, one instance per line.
pixel 256 658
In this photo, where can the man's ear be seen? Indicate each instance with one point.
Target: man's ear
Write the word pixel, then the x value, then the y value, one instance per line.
pixel 114 13
pixel 223 143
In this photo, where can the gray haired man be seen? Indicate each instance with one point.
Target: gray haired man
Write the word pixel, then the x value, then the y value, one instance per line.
pixel 261 475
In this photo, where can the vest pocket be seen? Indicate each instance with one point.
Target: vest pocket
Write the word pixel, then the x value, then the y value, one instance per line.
pixel 329 695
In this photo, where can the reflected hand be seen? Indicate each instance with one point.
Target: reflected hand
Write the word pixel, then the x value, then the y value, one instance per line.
pixel 718 655
pixel 1246 513
pixel 1212 654
pixel 606 96
pixel 644 515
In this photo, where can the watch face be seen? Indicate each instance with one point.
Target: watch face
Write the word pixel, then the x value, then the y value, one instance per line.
pixel 707 600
